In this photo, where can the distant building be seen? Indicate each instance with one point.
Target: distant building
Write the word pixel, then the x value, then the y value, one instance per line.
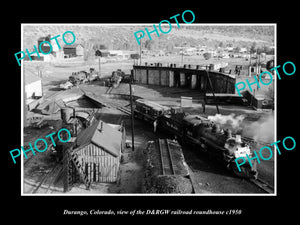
pixel 33 88
pixel 243 50
pixel 33 85
pixel 73 50
pixel 44 47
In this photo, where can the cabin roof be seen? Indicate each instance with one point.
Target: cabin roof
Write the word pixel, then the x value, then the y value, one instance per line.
pixel 102 135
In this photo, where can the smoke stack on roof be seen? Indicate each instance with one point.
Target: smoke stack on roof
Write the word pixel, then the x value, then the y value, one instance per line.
pixel 66 114
pixel 238 138
pixel 101 126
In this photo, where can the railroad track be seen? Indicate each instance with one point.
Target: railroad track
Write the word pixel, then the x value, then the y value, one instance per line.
pixel 166 157
pixel 108 104
pixel 39 145
pixel 29 158
pixel 119 107
pixel 263 185
pixel 48 179
pixel 252 141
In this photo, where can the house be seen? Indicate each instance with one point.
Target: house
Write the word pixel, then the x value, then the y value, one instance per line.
pixel 33 85
pixel 73 50
pixel 189 51
pixel 98 150
pixel 33 89
pixel 44 47
pixel 243 50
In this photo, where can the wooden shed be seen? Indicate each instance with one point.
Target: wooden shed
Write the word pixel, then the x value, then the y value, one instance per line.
pixel 98 151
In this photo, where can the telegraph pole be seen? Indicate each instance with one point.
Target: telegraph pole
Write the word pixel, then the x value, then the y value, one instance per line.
pixel 132 111
pixel 99 54
pixel 99 67
pixel 140 51
pixel 181 57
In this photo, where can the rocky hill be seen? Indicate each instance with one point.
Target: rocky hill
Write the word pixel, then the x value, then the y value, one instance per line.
pixel 122 36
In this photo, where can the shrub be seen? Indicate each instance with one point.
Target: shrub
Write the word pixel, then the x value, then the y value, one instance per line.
pixel 207 55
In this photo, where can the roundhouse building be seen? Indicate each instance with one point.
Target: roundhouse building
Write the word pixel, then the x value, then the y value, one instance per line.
pixel 186 77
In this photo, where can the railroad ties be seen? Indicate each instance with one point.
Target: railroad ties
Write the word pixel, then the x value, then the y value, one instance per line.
pixel 48 180
pixel 263 185
pixel 166 157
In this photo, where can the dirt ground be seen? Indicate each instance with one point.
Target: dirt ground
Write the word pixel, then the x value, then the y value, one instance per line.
pixel 210 176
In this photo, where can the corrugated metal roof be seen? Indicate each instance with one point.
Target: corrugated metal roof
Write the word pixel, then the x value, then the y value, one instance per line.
pixel 30 77
pixel 108 138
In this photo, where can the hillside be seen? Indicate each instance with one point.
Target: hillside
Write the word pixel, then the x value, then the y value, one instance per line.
pixel 122 36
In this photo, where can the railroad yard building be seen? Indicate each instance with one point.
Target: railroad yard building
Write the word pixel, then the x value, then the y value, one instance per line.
pixel 33 88
pixel 186 77
pixel 73 50
pixel 98 150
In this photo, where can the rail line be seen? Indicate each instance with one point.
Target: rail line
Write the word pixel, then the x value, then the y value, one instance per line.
pixel 166 157
pixel 39 146
pixel 119 107
pixel 263 185
pixel 251 140
pixel 48 179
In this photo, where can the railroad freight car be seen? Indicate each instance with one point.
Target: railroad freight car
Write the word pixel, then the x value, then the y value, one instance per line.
pixel 149 111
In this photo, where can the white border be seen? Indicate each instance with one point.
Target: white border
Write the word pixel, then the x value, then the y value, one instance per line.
pixel 149 24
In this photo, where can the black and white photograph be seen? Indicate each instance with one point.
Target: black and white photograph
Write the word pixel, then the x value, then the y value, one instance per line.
pixel 150 111
pixel 149 115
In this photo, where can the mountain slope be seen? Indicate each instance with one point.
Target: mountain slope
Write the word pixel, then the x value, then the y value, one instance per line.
pixel 122 36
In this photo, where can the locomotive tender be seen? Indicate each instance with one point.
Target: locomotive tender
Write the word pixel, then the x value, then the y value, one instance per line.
pixel 201 132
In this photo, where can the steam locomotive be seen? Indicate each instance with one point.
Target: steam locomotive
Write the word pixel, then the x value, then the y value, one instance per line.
pixel 208 137
pixel 201 132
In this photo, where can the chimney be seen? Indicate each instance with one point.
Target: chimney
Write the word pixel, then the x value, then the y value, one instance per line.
pixel 238 138
pixel 101 126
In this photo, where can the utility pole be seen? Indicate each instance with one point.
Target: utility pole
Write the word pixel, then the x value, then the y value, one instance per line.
pixel 256 62
pixel 250 64
pixel 132 111
pixel 181 57
pixel 65 168
pixel 99 54
pixel 212 90
pixel 99 67
pixel 140 51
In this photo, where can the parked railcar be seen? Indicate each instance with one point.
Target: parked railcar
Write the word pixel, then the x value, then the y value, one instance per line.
pixel 149 111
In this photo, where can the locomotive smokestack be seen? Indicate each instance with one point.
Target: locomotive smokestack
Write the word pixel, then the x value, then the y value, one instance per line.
pixel 216 128
pixel 228 133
